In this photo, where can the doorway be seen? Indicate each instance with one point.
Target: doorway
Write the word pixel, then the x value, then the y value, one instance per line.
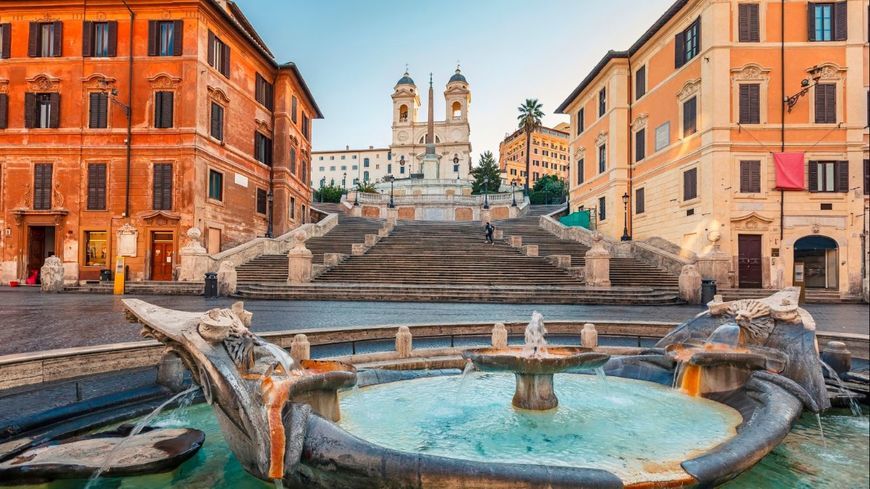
pixel 749 261
pixel 40 245
pixel 819 257
pixel 162 255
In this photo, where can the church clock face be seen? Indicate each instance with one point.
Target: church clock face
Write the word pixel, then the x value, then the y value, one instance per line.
pixel 402 136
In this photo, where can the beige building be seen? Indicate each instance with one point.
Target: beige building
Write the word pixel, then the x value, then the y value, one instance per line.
pixel 686 122
pixel 549 154
pixel 349 166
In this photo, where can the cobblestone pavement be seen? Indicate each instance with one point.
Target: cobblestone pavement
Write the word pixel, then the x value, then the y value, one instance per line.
pixel 32 321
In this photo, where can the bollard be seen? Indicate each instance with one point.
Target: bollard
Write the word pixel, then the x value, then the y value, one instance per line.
pixel 499 336
pixel 300 348
pixel 357 249
pixel 371 240
pixel 589 336
pixel 404 343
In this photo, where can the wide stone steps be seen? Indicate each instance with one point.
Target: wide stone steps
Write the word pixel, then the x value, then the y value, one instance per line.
pixel 813 296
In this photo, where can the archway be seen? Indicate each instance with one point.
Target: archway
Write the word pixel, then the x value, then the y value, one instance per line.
pixel 457 110
pixel 817 257
pixel 403 113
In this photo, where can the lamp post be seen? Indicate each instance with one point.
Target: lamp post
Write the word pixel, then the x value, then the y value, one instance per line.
pixel 514 192
pixel 356 194
pixel 806 84
pixel 269 199
pixel 391 179
pixel 322 184
pixel 344 182
pixel 485 192
pixel 625 235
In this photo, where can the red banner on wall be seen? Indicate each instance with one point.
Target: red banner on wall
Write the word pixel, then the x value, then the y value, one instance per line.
pixel 789 171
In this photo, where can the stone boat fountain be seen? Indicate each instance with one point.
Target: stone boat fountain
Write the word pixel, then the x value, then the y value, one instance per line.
pixel 534 365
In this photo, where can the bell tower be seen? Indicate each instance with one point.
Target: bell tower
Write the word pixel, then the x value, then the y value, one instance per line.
pixel 406 102
pixel 457 98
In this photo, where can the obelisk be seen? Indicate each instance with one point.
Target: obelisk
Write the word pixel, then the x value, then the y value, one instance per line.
pixel 430 166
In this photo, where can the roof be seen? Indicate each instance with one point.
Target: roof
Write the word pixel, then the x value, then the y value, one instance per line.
pixel 669 14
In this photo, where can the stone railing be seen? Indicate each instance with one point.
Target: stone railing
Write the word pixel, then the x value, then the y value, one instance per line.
pixel 471 200
pixel 195 261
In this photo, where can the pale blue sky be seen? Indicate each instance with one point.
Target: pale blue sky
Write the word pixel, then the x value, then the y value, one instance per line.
pixel 352 52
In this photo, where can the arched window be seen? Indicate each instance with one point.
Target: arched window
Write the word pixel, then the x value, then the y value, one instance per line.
pixel 403 113
pixel 457 110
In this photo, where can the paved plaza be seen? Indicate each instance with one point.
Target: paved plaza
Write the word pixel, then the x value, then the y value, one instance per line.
pixel 32 321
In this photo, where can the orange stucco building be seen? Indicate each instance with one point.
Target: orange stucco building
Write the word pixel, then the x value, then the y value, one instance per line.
pixel 549 155
pixel 686 122
pixel 219 134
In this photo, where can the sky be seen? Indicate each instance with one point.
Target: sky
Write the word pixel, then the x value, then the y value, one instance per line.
pixel 352 52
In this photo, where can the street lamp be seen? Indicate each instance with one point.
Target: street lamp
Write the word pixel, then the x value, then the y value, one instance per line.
pixel 391 179
pixel 322 184
pixel 356 192
pixel 514 192
pixel 269 199
pixel 485 194
pixel 816 74
pixel 344 181
pixel 625 235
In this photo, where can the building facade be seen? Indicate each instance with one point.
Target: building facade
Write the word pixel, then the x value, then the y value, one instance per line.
pixel 549 155
pixel 686 125
pixel 122 129
pixel 405 153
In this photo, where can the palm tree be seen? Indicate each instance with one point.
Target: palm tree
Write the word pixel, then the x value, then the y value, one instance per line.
pixel 530 120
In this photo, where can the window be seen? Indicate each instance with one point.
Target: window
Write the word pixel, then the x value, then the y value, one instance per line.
pixel 304 177
pixel 826 103
pixel 747 22
pixel 365 162
pixel 306 126
pixel 41 110
pixel 827 21
pixel 750 103
pixel 165 37
pixel 292 207
pixel 690 116
pixel 219 56
pixel 162 187
pixel 829 176
pixel 96 249
pixel 293 161
pixel 866 177
pixel 46 39
pixel 602 101
pixel 98 112
pixel 365 176
pixel 402 170
pixel 42 186
pixel 293 109
pixel 602 158
pixel 687 44
pixel 163 108
pixel 750 177
pixel 96 186
pixel 5 40
pixel 262 198
pixel 389 168
pixel 264 92
pixel 602 208
pixel 215 185
pixel 4 110
pixel 640 145
pixel 455 168
pixel 663 136
pixel 217 121
pixel 640 83
pixel 639 201
pixel 262 149
pixel 100 39
pixel 581 171
pixel 690 184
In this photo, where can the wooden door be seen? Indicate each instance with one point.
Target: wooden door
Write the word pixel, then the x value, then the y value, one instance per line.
pixel 35 249
pixel 749 261
pixel 162 256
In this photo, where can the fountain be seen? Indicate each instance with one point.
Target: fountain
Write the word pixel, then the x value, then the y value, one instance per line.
pixel 534 365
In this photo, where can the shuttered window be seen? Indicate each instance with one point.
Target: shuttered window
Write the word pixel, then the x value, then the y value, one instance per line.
pixel 98 112
pixel 5 40
pixel 217 121
pixel 747 22
pixel 581 121
pixel 690 184
pixel 304 176
pixel 690 116
pixel 294 108
pixel 640 145
pixel 306 126
pixel 262 149
pixel 602 101
pixel 750 103
pixel 46 39
pixel 162 186
pixel 826 103
pixel 215 185
pixel 750 177
pixel 827 21
pixel 4 111
pixel 261 201
pixel 218 54
pixel 687 44
pixel 96 186
pixel 42 186
pixel 165 38
pixel 100 39
pixel 41 110
pixel 581 171
pixel 828 176
pixel 602 158
pixel 264 92
pixel 640 83
pixel 602 208
pixel 866 177
pixel 639 201
pixel 163 109
pixel 293 160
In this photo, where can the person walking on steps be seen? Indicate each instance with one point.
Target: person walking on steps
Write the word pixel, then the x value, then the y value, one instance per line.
pixel 489 230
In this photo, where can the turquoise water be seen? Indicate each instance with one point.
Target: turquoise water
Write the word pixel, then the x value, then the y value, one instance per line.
pixel 801 462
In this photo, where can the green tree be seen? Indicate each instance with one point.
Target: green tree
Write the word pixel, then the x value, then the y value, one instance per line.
pixel 486 169
pixel 529 121
pixel 550 183
pixel 329 193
